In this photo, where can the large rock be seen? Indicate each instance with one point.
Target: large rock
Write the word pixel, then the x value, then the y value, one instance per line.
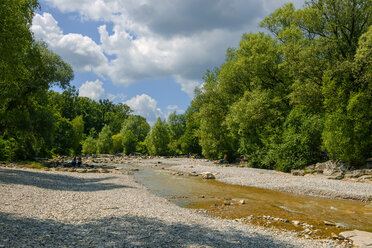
pixel 333 167
pixel 359 238
pixel 208 175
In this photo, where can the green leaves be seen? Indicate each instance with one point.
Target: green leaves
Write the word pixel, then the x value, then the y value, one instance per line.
pixel 134 130
pixel 279 99
pixel 158 139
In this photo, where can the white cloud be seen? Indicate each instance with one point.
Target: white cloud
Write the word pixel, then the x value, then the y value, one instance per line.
pixel 172 108
pixel 93 90
pixel 155 38
pixel 145 106
pixel 116 97
pixel 80 51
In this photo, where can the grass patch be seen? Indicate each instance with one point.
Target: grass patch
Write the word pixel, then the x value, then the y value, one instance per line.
pixel 34 165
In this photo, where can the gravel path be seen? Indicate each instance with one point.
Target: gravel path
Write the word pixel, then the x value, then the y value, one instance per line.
pixel 306 185
pixel 61 209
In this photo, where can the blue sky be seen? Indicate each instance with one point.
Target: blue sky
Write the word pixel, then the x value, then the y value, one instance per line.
pixel 149 54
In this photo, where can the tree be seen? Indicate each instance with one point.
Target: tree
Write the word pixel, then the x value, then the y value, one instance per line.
pixel 117 144
pixel 63 137
pixel 78 131
pixel 300 142
pixel 134 131
pixel 158 139
pixel 176 126
pixel 104 141
pixel 89 146
pixel 129 142
pixel 28 69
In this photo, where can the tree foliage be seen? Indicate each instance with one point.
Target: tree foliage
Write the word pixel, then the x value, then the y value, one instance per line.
pixel 104 140
pixel 158 139
pixel 285 100
pixel 133 132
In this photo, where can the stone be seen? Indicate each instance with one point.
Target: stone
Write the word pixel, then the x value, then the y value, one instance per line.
pixel 208 175
pixel 359 238
pixel 365 178
pixel 337 176
pixel 297 172
pixel 354 174
pixel 295 222
pixel 328 223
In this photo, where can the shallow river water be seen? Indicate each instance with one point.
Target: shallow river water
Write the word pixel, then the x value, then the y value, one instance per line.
pixel 324 216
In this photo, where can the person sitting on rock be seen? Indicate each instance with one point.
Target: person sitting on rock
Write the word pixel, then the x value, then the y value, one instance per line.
pixel 79 161
pixel 73 163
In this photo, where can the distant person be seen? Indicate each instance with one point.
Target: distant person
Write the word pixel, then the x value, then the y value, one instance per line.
pixel 79 161
pixel 73 163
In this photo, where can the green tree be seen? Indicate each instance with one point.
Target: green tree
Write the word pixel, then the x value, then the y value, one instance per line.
pixel 189 141
pixel 63 137
pixel 176 126
pixel 158 139
pixel 89 146
pixel 28 69
pixel 117 144
pixel 134 131
pixel 129 141
pixel 104 141
pixel 78 131
pixel 300 142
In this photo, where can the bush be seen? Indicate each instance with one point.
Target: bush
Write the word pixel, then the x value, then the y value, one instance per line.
pixel 7 149
pixel 301 140
pixel 89 146
pixel 117 145
pixel 104 141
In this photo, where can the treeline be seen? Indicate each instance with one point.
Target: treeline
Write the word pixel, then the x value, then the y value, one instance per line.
pixel 296 96
pixel 34 121
pixel 283 100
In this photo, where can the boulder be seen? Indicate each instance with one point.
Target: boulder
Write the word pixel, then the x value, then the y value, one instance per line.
pixel 359 238
pixel 330 167
pixel 207 175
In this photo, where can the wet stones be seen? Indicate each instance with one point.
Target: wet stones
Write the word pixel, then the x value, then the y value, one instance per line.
pixel 207 175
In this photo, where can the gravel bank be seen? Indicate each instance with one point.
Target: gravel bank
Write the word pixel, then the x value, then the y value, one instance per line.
pixel 312 185
pixel 61 209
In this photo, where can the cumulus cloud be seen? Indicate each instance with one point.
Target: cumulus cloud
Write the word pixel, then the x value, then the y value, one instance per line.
pixel 155 38
pixel 78 50
pixel 93 90
pixel 145 106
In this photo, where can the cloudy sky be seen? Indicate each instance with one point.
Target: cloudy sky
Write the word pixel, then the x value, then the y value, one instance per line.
pixel 149 54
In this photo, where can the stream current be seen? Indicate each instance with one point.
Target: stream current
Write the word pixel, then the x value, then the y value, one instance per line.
pixel 318 217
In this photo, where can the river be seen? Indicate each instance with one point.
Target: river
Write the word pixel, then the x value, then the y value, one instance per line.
pixel 306 215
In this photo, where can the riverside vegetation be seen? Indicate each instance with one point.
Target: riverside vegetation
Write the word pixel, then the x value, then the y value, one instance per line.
pixel 285 100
